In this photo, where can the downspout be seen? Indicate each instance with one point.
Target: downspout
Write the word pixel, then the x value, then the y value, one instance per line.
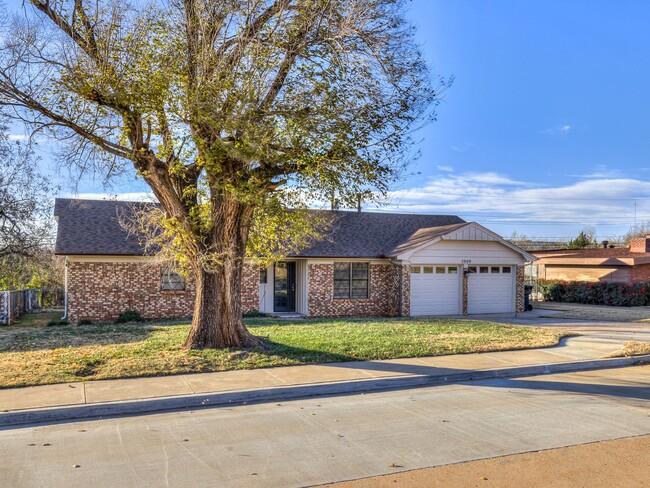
pixel 65 290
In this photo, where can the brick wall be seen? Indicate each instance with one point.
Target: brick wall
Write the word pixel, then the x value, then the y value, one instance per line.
pixel 640 272
pixel 640 244
pixel 519 292
pixel 383 293
pixel 406 290
pixel 103 290
pixel 250 284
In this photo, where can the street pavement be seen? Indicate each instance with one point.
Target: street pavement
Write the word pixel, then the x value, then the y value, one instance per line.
pixel 335 438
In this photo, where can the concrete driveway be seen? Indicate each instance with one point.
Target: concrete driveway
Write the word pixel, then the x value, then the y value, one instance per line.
pixel 594 335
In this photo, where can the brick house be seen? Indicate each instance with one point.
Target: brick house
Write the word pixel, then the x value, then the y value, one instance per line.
pixel 622 264
pixel 370 264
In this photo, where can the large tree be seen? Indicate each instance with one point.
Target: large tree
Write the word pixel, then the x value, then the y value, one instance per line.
pixel 25 201
pixel 221 106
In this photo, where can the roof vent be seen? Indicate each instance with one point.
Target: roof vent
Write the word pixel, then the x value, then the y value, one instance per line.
pixel 605 244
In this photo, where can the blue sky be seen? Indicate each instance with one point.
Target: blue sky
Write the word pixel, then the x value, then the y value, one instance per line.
pixel 544 131
pixel 546 121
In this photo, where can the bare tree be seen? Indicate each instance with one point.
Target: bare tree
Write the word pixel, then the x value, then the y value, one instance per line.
pixel 25 201
pixel 221 106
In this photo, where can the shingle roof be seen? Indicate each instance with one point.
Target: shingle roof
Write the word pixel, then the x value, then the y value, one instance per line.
pixel 372 234
pixel 617 252
pixel 92 227
pixel 422 236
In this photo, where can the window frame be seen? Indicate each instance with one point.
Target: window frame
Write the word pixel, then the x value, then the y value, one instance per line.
pixel 167 285
pixel 350 279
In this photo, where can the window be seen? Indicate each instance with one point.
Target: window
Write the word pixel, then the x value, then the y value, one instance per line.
pixel 471 269
pixel 263 276
pixel 171 280
pixel 495 269
pixel 350 280
pixel 506 269
pixel 440 270
pixel 452 270
pixel 483 269
pixel 415 269
pixel 428 269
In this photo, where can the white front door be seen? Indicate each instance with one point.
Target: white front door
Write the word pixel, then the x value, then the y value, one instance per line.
pixel 491 289
pixel 435 289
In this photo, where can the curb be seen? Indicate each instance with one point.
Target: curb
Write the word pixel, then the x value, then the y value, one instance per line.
pixel 239 397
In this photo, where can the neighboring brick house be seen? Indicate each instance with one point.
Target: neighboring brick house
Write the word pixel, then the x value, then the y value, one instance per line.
pixel 370 264
pixel 620 264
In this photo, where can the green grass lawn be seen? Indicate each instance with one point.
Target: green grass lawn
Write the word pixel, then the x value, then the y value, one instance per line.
pixel 36 354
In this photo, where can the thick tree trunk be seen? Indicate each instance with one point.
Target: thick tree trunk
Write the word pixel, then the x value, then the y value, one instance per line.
pixel 217 320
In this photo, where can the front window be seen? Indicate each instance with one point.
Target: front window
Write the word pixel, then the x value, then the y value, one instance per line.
pixel 170 280
pixel 350 280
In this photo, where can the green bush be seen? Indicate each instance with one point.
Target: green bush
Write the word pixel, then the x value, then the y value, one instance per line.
pixel 58 322
pixel 253 313
pixel 596 293
pixel 129 316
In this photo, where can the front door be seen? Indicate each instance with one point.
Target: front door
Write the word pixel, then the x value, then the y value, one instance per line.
pixel 284 287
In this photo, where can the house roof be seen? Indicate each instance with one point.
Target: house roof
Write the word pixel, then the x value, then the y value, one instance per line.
pixel 92 227
pixel 423 236
pixel 372 234
pixel 600 256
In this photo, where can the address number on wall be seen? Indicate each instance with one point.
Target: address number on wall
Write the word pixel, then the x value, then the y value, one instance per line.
pixel 466 261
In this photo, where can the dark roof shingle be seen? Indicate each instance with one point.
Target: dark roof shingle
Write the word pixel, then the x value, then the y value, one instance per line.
pixel 93 227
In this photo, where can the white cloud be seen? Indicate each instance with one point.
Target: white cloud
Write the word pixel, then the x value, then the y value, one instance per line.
pixel 18 137
pixel 601 171
pixel 490 197
pixel 558 130
pixel 131 197
pixel 446 168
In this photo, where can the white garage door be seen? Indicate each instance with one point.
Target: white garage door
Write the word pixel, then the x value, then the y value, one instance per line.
pixel 435 290
pixel 490 289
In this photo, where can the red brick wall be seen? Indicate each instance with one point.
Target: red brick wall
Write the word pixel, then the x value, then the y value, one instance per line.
pixel 250 284
pixel 101 291
pixel 640 244
pixel 383 293
pixel 406 290
pixel 640 272
pixel 519 292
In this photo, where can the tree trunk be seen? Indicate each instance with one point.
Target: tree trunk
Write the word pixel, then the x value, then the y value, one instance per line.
pixel 217 320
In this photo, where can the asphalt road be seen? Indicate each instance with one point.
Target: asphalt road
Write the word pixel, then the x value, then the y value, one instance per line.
pixel 315 441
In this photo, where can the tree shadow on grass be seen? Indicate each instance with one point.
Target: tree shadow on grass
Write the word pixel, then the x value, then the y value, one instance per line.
pixel 43 337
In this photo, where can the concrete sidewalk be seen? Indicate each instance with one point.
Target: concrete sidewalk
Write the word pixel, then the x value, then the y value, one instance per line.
pixel 141 395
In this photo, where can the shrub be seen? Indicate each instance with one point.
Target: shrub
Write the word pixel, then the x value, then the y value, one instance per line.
pixel 601 293
pixel 58 322
pixel 253 313
pixel 129 316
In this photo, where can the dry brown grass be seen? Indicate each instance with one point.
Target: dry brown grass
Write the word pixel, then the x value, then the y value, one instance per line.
pixel 36 355
pixel 594 312
pixel 632 349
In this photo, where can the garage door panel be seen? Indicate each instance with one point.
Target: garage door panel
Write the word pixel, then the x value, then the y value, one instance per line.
pixel 491 292
pixel 436 292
